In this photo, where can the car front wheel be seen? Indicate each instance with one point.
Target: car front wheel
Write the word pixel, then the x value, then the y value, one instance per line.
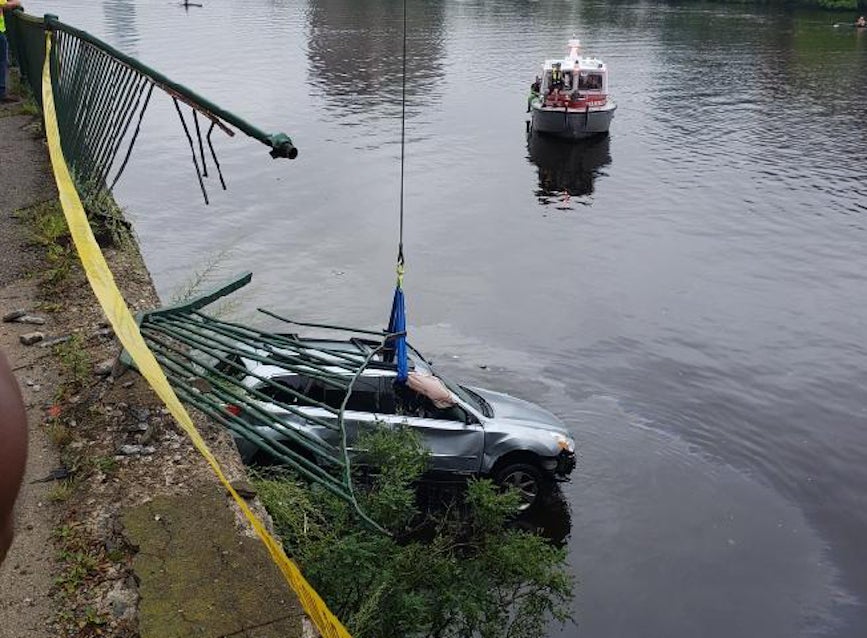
pixel 526 479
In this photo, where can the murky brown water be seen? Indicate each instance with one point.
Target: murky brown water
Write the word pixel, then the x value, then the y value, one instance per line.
pixel 689 295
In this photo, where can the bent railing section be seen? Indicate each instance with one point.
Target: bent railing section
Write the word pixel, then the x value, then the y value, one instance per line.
pixel 101 96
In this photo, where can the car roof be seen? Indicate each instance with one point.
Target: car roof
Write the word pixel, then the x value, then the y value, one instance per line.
pixel 334 350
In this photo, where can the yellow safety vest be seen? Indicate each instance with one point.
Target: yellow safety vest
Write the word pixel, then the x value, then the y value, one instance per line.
pixel 2 19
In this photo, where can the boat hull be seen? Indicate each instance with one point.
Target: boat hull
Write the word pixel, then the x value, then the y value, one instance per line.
pixel 568 124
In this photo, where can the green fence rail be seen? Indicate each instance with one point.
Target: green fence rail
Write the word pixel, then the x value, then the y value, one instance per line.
pixel 101 97
pixel 240 377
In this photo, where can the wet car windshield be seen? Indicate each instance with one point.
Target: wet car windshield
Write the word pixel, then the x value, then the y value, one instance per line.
pixel 465 394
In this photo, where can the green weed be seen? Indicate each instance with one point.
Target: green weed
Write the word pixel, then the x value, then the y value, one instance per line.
pixel 105 464
pixel 59 435
pixel 60 491
pixel 76 364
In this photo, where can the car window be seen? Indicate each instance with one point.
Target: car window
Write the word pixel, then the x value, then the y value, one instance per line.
pixel 280 391
pixel 411 403
pixel 232 366
pixel 362 399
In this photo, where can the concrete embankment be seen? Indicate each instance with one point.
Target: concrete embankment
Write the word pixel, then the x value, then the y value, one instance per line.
pixel 122 529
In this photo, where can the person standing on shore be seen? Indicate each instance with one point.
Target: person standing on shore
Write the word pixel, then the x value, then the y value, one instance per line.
pixel 5 5
pixel 13 451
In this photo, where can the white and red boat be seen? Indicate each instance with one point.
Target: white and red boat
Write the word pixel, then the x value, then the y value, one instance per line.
pixel 571 99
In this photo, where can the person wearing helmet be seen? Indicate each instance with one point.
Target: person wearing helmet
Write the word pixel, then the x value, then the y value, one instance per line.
pixel 5 5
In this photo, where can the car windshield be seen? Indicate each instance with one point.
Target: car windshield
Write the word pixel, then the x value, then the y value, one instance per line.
pixel 465 394
pixel 478 401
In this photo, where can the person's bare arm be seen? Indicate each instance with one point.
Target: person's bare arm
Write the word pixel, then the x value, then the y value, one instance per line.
pixel 13 451
pixel 11 4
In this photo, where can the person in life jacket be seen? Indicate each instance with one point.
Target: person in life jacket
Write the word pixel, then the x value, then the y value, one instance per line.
pixel 556 77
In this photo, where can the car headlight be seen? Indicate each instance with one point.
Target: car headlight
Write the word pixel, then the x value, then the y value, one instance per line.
pixel 566 443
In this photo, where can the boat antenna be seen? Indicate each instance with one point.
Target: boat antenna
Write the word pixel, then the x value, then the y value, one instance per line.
pixel 402 144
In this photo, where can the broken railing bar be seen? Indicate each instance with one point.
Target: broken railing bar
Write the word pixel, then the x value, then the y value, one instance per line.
pixel 268 382
pixel 295 436
pixel 326 480
pixel 178 367
pixel 281 341
pixel 133 139
pixel 211 409
pixel 192 150
pixel 312 369
pixel 347 470
pixel 325 326
pixel 207 336
pixel 214 157
pixel 202 300
pixel 146 331
pixel 196 107
pixel 280 143
pixel 288 347
pixel 164 347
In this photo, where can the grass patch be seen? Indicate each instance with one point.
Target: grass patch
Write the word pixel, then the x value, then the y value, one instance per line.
pixel 60 491
pixel 105 464
pixel 59 434
pixel 46 223
pixel 76 365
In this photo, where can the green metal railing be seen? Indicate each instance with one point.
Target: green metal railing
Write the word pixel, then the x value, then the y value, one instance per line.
pixel 101 96
pixel 101 92
pixel 219 367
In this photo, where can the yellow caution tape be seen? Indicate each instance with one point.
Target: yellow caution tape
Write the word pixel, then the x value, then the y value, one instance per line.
pixel 115 308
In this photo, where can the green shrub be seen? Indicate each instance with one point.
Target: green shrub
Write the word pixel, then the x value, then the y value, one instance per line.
pixel 471 576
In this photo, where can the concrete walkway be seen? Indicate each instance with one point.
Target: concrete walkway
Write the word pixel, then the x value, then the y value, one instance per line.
pixel 28 572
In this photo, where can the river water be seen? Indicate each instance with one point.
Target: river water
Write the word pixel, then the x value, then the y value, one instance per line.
pixel 689 295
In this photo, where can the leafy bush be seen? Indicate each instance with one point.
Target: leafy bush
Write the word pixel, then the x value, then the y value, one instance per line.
pixel 838 4
pixel 470 576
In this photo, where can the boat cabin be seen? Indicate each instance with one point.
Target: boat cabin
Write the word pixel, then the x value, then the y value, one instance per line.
pixel 573 78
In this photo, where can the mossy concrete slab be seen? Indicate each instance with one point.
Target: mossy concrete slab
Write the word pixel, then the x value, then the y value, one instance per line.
pixel 200 577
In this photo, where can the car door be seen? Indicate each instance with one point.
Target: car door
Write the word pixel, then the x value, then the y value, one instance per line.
pixel 453 436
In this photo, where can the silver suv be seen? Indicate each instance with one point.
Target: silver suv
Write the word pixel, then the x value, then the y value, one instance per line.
pixel 482 432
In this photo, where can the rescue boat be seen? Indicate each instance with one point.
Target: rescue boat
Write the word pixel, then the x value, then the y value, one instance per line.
pixel 571 99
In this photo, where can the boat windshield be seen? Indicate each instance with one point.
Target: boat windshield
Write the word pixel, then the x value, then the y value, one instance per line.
pixel 590 81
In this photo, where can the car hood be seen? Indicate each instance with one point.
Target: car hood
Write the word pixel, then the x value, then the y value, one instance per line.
pixel 509 408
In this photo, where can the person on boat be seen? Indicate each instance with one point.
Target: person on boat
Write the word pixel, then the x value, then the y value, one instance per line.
pixel 5 5
pixel 861 22
pixel 556 77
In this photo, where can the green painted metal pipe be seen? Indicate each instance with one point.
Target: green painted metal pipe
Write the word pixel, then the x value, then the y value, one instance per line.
pixel 280 143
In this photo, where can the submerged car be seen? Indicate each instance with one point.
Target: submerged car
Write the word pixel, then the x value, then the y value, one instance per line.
pixel 474 432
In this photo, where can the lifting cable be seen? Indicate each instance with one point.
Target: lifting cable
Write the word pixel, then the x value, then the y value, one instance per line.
pixel 397 319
